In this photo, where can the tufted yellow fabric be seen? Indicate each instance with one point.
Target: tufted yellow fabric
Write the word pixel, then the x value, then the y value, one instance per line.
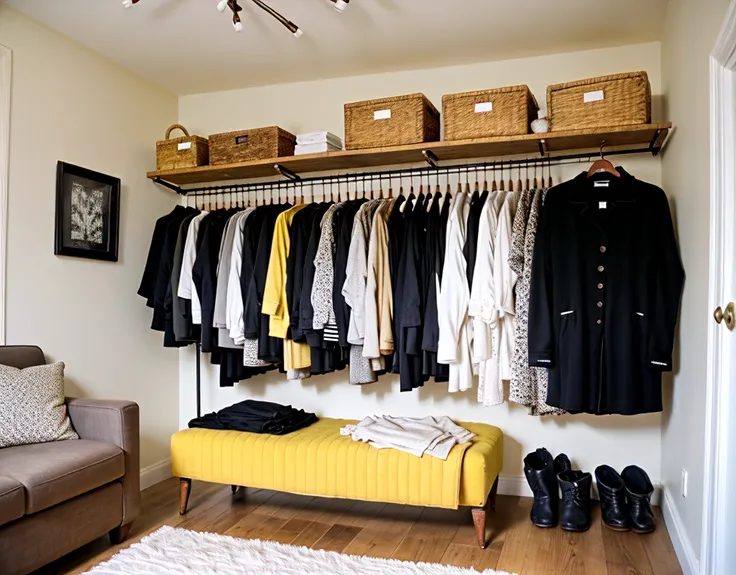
pixel 319 461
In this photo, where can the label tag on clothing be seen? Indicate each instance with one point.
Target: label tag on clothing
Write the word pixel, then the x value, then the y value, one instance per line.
pixel 483 107
pixel 602 205
pixel 596 96
pixel 382 114
pixel 601 184
pixel 184 146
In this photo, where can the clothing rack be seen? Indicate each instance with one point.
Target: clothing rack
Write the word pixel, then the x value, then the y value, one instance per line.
pixel 292 180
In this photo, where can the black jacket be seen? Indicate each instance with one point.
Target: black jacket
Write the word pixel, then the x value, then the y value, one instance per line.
pixel 605 291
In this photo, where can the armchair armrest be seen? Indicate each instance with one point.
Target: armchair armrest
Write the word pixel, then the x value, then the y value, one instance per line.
pixel 116 422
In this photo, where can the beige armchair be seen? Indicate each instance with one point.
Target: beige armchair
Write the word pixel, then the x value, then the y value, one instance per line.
pixel 55 497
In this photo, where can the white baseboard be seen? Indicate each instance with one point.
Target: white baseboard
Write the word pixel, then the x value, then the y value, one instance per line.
pixel 155 473
pixel 517 485
pixel 680 541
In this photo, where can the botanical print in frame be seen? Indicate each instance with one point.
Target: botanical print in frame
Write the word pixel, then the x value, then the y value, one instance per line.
pixel 87 213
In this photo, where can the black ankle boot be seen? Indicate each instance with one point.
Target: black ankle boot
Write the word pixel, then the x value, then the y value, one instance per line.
pixel 639 492
pixel 575 500
pixel 540 473
pixel 562 463
pixel 612 493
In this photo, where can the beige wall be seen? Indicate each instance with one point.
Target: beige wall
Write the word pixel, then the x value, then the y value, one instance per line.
pixel 318 105
pixel 685 173
pixel 70 104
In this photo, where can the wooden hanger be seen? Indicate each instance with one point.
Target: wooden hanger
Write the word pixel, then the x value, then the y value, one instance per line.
pixel 603 165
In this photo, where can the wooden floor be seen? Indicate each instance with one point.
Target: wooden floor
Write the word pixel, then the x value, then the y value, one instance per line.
pixel 401 532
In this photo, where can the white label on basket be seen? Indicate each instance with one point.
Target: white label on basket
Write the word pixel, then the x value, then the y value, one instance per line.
pixel 596 96
pixel 601 184
pixel 483 107
pixel 184 146
pixel 381 114
pixel 602 205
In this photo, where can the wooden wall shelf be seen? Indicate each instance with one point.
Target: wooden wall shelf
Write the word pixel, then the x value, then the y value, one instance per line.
pixel 649 137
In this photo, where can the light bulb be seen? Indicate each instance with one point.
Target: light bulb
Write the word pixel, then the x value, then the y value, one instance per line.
pixel 298 33
pixel 222 5
pixel 127 3
pixel 340 5
pixel 238 26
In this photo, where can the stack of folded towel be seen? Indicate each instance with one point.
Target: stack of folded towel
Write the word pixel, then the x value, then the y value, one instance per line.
pixel 316 142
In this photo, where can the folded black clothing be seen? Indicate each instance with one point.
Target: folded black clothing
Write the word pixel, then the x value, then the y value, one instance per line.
pixel 257 417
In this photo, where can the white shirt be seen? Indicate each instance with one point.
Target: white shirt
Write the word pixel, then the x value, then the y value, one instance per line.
pixel 234 297
pixel 186 284
pixel 482 305
pixel 504 279
pixel 454 295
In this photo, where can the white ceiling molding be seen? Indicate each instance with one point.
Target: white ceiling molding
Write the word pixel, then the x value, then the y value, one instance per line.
pixel 188 46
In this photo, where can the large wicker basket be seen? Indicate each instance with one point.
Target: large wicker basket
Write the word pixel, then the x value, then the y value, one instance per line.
pixel 393 121
pixel 246 145
pixel 618 100
pixel 485 113
pixel 185 152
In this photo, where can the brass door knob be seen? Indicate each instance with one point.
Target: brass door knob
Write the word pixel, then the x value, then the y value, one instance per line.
pixel 729 316
pixel 718 315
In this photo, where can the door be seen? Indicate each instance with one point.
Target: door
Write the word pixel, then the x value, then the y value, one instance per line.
pixel 718 552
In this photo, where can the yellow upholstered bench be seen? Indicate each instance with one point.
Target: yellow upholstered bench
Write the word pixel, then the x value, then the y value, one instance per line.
pixel 318 461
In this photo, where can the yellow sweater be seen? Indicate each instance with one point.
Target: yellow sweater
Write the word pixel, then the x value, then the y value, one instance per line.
pixel 296 355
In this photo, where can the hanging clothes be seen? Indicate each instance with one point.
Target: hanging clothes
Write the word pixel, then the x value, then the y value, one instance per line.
pixel 181 309
pixel 605 292
pixel 275 305
pixel 528 385
pixel 323 284
pixel 453 345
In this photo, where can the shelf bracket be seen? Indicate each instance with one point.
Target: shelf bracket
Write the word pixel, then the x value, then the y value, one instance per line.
pixel 654 144
pixel 171 186
pixel 542 147
pixel 431 158
pixel 286 172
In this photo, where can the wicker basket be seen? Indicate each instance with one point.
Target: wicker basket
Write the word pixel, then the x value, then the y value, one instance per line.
pixel 247 145
pixel 618 100
pixel 393 121
pixel 185 152
pixel 499 112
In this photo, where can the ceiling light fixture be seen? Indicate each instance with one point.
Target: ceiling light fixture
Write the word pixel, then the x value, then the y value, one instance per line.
pixel 293 28
pixel 223 5
pixel 340 5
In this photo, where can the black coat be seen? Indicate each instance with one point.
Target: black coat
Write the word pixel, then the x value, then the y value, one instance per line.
pixel 605 291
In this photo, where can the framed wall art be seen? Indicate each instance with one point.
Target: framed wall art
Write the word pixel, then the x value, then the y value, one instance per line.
pixel 87 213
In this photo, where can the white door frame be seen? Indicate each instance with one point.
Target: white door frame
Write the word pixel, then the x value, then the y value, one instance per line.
pixel 6 56
pixel 720 365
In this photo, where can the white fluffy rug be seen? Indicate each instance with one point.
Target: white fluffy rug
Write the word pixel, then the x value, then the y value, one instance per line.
pixel 170 551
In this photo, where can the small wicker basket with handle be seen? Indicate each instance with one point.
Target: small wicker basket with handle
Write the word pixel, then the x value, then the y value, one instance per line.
pixel 185 152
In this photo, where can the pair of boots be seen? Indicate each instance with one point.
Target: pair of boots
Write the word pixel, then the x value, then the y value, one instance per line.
pixel 625 499
pixel 544 474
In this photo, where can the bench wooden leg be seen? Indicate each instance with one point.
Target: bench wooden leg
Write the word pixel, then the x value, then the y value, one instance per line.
pixel 185 486
pixel 479 520
pixel 480 515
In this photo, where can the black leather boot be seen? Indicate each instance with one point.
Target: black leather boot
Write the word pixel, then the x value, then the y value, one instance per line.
pixel 540 473
pixel 562 463
pixel 575 500
pixel 612 493
pixel 639 493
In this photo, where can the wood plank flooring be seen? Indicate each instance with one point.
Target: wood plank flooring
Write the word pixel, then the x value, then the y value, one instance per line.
pixel 402 532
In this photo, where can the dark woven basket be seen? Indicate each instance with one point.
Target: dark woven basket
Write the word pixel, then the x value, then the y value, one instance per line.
pixel 185 152
pixel 247 145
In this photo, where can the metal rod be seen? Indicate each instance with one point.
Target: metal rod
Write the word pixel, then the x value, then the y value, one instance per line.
pixel 199 379
pixel 370 176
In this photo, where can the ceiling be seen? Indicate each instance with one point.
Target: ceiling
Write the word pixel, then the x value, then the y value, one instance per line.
pixel 187 46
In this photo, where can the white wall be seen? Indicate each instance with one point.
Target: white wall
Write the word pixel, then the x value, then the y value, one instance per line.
pixel 685 172
pixel 71 104
pixel 319 105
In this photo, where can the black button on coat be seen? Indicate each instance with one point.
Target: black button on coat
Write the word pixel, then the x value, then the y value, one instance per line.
pixel 605 291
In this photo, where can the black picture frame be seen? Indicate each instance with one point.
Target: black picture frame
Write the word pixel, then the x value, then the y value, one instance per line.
pixel 87 213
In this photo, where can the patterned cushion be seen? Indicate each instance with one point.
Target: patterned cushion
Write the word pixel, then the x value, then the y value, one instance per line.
pixel 32 408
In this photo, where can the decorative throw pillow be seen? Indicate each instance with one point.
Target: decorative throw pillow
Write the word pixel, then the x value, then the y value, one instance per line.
pixel 32 407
